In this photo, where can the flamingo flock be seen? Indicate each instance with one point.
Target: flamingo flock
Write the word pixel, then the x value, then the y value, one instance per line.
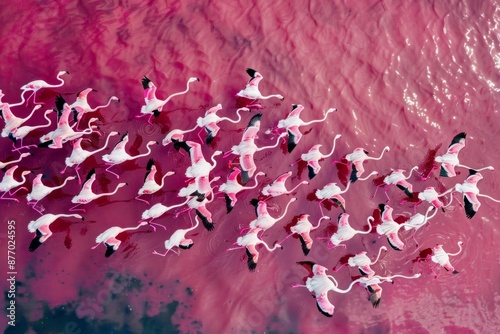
pixel 200 174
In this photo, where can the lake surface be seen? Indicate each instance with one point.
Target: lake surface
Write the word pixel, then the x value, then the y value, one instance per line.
pixel 408 75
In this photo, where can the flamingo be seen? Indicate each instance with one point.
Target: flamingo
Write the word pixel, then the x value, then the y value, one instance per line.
pixel 198 201
pixel 39 191
pixel 158 210
pixel 333 192
pixel 41 227
pixel 36 85
pixel 250 241
pixel 153 106
pixel 210 120
pixel 5 164
pixel 199 166
pixel 81 105
pixel 399 179
pixel 86 195
pixel 150 185
pixel 232 187
pixel 471 193
pixel 264 220
pixel 277 188
pixel 363 262
pixel 176 136
pixel 251 90
pixel 431 196
pixel 357 157
pixel 108 238
pixel 13 122
pixel 119 155
pixel 345 232
pixel 8 183
pixel 442 258
pixel 292 123
pixel 247 148
pixel 313 156
pixel 303 228
pixel 22 131
pixel 79 155
pixel 178 239
pixel 450 159
pixel 390 228
pixel 418 220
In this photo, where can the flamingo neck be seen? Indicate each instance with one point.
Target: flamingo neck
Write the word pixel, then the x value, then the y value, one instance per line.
pixel 348 288
pixel 378 256
pixel 346 188
pixel 176 94
pixel 195 225
pixel 268 96
pixel 144 154
pixel 333 149
pixel 459 250
pixel 411 171
pixel 284 213
pixel 233 121
pixel 319 222
pixel 102 148
pixel 293 189
pixel 255 185
pixel 370 221
pixel 488 197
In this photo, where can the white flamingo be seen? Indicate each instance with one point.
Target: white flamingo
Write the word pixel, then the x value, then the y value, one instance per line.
pixel 82 106
pixel 303 228
pixel 86 195
pixel 396 177
pixel 178 239
pixel 108 238
pixel 210 120
pixel 199 166
pixel 9 182
pixel 5 164
pixel 471 193
pixel 36 85
pixel 252 91
pixel 277 188
pixel 345 232
pixel 232 187
pixel 442 258
pixel 39 191
pixel 264 220
pixel 13 122
pixel 357 157
pixel 390 228
pixel 22 131
pixel 41 227
pixel 150 185
pixel 313 156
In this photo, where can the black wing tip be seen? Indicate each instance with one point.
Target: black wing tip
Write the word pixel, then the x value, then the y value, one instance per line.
pixel 251 264
pixel 405 190
pixel 35 243
pixel 312 173
pixel 255 118
pixel 393 246
pixel 45 144
pixel 109 250
pixel 254 202
pixel 454 272
pixel 156 113
pixel 354 174
pixel 145 82
pixel 381 207
pixel 291 142
pixel 209 139
pixel 323 312
pixel 181 144
pixel 150 164
pixel 251 72
pixel 245 177
pixel 186 246
pixel 305 250
pixel 60 101
pixel 443 172
pixel 469 211
pixel 374 300
pixel 229 207
pixel 208 225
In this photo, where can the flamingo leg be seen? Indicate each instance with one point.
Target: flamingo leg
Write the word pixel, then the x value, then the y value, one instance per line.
pixel 107 170
pixel 140 199
pixel 78 174
pixel 74 208
pixel 154 228
pixel 234 248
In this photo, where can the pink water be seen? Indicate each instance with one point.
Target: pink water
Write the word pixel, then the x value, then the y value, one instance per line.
pixel 410 76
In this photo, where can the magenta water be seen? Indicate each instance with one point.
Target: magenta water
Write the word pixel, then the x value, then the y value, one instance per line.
pixel 408 75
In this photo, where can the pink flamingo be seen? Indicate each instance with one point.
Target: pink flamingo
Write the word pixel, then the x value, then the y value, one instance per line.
pixel 292 123
pixel 333 192
pixel 277 188
pixel 8 183
pixel 178 239
pixel 119 155
pixel 86 195
pixel 176 136
pixel 431 196
pixel 303 228
pixel 345 232
pixel 13 122
pixel 390 228
pixel 251 90
pixel 471 193
pixel 357 158
pixel 150 185
pixel 399 179
pixel 363 262
pixel 418 220
pixel 22 131
pixel 247 148
pixel 41 227
pixel 313 156
pixel 5 164
pixel 264 220
pixel 210 120
pixel 81 105
pixel 250 241
pixel 36 85
pixel 199 166
pixel 198 201
pixel 158 210
pixel 11 104
pixel 79 155
pixel 442 258
pixel 153 106
pixel 108 238
pixel 39 191
pixel 450 160
pixel 232 187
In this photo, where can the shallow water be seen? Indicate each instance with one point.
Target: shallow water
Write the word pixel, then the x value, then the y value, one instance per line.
pixel 409 76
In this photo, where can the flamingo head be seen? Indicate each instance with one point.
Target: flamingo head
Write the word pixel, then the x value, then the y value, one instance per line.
pixel 436 248
pixel 83 94
pixel 120 185
pixel 26 172
pixel 152 142
pixel 337 137
pixel 460 242
pixel 78 216
pixel 331 110
pixel 193 79
pixel 38 106
pixel 114 98
pixel 62 73
pixel 169 173
pixel 216 153
pixel 387 148
pixel 143 223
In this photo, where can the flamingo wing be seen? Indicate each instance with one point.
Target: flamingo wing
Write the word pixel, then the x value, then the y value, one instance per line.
pixel 255 121
pixel 314 168
pixel 324 305
pixel 471 204
pixel 357 170
pixel 248 167
pixel 296 110
pixel 212 128
pixel 250 133
pixel 457 143
pixel 294 136
pixel 282 178
pixel 395 242
pixel 407 187
pixel 234 174
pixel 447 170
pixel 375 294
